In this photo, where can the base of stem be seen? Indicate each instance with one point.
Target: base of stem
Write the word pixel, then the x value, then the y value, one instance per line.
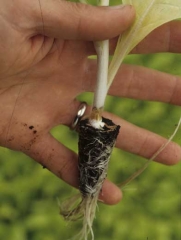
pixel 95 118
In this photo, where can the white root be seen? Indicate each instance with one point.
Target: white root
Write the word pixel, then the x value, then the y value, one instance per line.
pixel 86 209
pixel 95 147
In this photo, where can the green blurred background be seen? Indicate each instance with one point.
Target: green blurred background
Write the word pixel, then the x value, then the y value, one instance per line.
pixel 151 207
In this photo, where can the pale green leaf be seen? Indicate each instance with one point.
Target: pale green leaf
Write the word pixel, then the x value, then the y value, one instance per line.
pixel 150 14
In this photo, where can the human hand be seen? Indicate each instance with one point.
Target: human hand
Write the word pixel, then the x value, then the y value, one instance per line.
pixel 41 74
pixel 43 67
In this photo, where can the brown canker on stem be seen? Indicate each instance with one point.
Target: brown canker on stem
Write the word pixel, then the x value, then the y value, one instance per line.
pixel 96 114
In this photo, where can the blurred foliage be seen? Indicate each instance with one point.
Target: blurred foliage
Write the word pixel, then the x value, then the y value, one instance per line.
pixel 150 209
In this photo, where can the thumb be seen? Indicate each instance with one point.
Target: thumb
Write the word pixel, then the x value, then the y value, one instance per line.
pixel 67 20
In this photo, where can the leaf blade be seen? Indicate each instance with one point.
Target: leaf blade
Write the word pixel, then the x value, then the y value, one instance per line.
pixel 150 14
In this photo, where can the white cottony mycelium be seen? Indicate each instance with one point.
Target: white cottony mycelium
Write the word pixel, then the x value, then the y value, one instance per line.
pixel 96 123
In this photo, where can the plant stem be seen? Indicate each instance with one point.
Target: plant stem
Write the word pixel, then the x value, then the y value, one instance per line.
pixel 102 49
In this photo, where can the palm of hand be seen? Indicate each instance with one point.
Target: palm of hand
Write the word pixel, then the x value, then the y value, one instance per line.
pixel 43 95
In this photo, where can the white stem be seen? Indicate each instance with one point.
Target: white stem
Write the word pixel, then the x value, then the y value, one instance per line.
pixel 102 49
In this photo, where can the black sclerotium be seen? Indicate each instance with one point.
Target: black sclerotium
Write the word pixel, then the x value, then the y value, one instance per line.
pixel 95 147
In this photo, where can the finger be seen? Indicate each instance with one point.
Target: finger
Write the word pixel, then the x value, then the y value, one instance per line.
pixel 144 143
pixel 139 83
pixel 166 38
pixel 67 20
pixel 110 193
pixel 147 84
pixel 63 162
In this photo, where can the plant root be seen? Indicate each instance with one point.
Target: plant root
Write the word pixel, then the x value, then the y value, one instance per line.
pixel 95 147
